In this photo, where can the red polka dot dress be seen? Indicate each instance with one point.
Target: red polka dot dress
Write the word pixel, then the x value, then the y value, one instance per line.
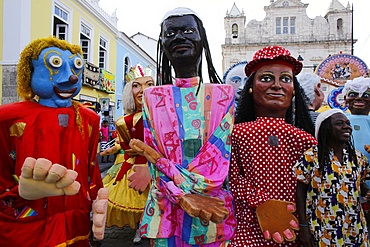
pixel 263 154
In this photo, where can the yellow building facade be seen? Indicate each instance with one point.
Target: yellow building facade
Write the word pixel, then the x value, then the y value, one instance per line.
pixel 80 22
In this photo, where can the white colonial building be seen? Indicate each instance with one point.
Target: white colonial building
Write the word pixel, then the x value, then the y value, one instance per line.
pixel 286 23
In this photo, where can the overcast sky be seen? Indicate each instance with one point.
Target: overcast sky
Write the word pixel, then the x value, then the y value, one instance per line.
pixel 144 16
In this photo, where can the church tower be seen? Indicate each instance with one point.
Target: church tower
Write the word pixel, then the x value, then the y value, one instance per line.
pixel 340 20
pixel 235 25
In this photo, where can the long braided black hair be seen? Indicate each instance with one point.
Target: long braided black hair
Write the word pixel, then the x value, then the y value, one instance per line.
pixel 164 66
pixel 324 136
pixel 245 111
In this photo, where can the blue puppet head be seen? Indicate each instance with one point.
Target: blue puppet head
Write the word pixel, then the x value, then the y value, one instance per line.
pixel 57 77
pixel 235 76
pixel 52 70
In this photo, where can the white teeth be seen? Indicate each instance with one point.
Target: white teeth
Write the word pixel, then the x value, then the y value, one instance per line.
pixel 65 95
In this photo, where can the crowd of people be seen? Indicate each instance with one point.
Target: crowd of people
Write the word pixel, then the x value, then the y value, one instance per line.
pixel 192 168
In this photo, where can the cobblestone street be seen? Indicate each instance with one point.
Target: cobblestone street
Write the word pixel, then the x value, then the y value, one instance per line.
pixel 114 236
pixel 118 237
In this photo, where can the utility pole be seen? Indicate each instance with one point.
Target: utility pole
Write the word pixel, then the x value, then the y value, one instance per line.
pixel 352 32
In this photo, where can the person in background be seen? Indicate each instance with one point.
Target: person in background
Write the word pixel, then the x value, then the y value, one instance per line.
pixel 311 84
pixel 126 204
pixel 104 134
pixel 330 181
pixel 357 97
pixel 265 146
pixel 112 131
pixel 188 127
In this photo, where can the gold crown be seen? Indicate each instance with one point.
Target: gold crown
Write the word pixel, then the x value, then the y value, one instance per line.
pixel 138 71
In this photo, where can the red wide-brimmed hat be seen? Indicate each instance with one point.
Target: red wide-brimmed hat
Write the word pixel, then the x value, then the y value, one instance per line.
pixel 270 54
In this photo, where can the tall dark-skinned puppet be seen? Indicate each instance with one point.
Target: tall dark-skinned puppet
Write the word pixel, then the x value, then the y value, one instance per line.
pixel 187 129
pixel 50 180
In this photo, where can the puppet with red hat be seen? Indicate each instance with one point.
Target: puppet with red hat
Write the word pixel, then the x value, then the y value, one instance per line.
pixel 266 143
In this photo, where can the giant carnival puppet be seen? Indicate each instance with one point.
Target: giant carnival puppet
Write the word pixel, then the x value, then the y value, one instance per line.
pixel 187 130
pixel 50 180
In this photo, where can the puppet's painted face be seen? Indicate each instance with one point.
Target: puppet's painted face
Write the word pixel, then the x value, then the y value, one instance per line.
pixel 358 105
pixel 138 87
pixel 236 77
pixel 181 39
pixel 57 77
pixel 273 90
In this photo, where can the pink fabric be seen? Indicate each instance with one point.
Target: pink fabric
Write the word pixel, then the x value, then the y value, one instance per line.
pixel 104 131
pixel 175 116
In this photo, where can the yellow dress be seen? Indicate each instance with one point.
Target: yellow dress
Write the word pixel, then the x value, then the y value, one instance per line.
pixel 125 205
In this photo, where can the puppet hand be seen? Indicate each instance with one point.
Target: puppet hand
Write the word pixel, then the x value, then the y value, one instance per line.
pixel 206 208
pixel 110 151
pixel 100 213
pixel 140 178
pixel 143 149
pixel 277 221
pixel 40 178
pixel 367 148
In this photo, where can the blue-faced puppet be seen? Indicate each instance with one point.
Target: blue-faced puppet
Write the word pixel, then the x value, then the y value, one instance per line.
pixel 236 77
pixel 50 178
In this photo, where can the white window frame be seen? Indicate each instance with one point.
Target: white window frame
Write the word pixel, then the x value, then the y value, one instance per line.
pixel 292 22
pixel 60 34
pixel 85 49
pixel 84 27
pixel 103 52
pixel 85 43
pixel 285 25
pixel 65 19
pixel 278 25
pixel 61 9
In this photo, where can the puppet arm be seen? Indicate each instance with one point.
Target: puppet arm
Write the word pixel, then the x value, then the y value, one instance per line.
pixel 184 187
pixel 112 150
pixel 277 224
pixel 243 188
pixel 241 180
pixel 205 207
pixel 40 178
pixel 214 154
pixel 192 190
pixel 99 209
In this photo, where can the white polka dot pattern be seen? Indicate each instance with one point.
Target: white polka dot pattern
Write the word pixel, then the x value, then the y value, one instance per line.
pixel 267 172
pixel 269 53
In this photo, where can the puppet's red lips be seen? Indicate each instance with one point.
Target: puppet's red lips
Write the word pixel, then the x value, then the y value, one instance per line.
pixel 64 94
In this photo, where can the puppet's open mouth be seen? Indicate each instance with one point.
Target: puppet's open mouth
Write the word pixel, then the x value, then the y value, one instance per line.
pixel 64 94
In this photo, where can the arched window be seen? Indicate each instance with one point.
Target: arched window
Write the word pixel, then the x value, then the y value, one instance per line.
pixel 340 26
pixel 126 68
pixel 234 30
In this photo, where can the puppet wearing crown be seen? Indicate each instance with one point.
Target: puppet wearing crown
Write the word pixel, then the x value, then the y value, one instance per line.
pixel 50 176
